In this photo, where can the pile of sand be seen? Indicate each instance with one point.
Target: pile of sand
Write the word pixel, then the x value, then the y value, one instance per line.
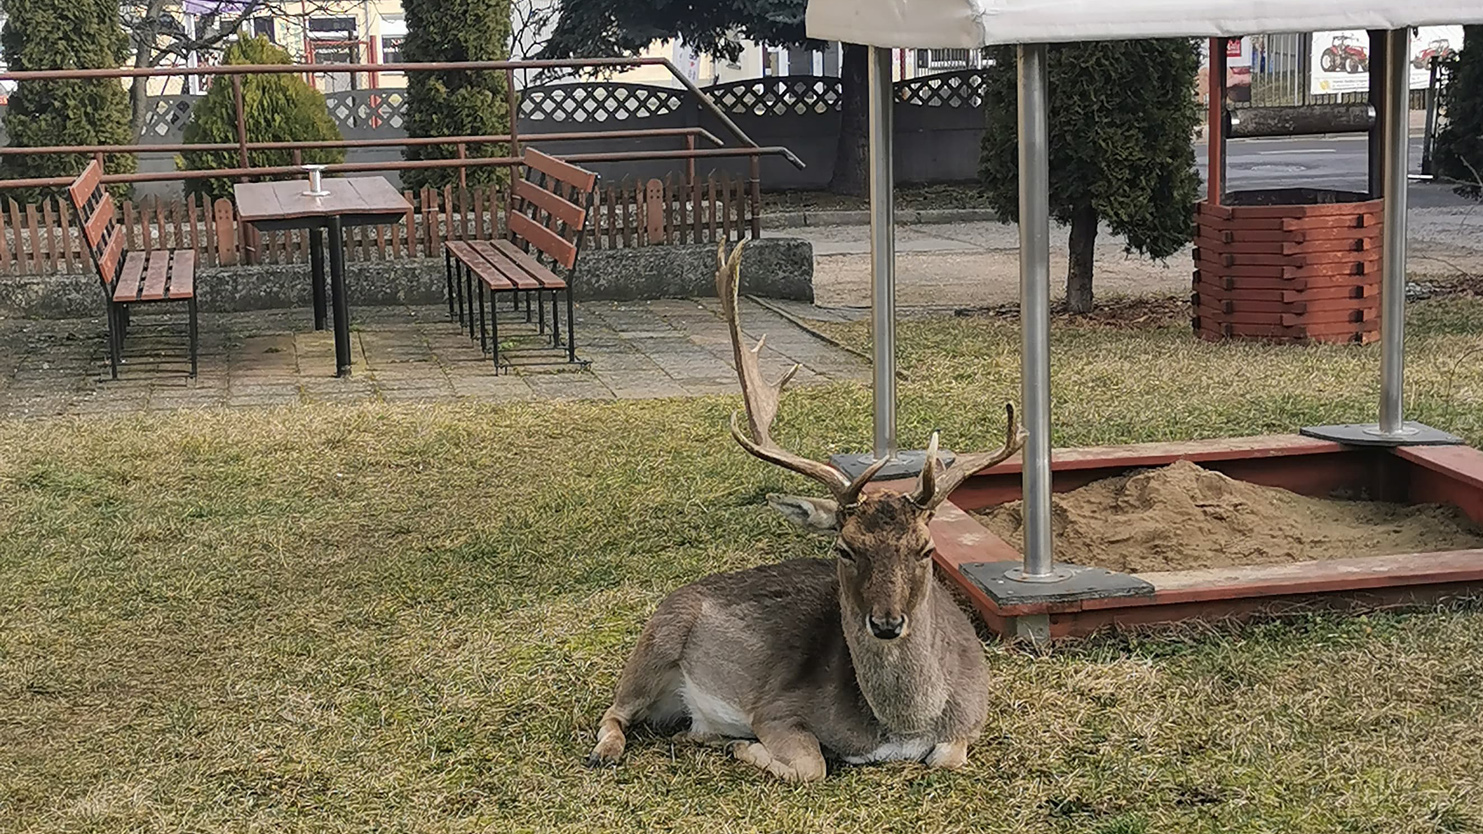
pixel 1183 516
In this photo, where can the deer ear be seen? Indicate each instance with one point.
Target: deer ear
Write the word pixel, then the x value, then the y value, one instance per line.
pixel 817 515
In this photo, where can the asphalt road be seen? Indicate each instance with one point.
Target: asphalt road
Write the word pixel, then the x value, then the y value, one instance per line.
pixel 1338 162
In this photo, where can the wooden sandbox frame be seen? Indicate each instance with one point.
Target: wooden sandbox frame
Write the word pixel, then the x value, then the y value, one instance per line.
pixel 1416 474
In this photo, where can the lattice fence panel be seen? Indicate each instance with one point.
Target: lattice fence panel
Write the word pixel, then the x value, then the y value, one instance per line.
pixel 598 102
pixel 948 89
pixel 779 96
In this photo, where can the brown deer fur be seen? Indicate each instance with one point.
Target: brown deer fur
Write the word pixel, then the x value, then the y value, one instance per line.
pixel 865 659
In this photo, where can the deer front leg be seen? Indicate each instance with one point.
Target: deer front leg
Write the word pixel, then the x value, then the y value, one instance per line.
pixel 949 755
pixel 789 753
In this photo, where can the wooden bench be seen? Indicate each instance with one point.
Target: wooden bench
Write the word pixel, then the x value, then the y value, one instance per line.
pixel 549 209
pixel 129 278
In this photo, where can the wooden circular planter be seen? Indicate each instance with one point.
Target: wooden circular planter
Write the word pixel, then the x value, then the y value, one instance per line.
pixel 1295 265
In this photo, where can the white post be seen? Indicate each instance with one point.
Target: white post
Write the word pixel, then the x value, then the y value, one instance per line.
pixel 882 251
pixel 1397 136
pixel 1034 148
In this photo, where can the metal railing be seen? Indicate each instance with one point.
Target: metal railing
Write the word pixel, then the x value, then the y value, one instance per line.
pixel 460 144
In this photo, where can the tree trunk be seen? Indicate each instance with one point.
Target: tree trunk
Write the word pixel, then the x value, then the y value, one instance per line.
pixel 139 94
pixel 1079 270
pixel 850 157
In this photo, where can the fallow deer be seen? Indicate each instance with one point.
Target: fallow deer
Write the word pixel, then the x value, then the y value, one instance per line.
pixel 866 658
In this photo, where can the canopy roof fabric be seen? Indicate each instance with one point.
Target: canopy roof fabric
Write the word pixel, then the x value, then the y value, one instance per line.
pixel 959 24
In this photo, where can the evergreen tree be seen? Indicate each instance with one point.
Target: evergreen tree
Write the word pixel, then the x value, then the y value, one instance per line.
pixel 1458 154
pixel 276 108
pixel 455 102
pixel 64 34
pixel 1121 123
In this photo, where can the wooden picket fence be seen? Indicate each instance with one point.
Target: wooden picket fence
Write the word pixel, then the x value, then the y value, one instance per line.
pixel 44 239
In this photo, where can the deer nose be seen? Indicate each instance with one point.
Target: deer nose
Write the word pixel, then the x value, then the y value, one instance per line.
pixel 886 628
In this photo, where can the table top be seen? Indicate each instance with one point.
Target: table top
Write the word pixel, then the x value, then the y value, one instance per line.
pixel 348 195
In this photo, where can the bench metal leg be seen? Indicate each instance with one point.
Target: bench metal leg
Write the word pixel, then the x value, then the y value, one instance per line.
pixel 448 274
pixel 571 327
pixel 115 337
pixel 494 333
pixel 458 269
pixel 195 333
pixel 541 312
pixel 483 330
pixel 527 307
pixel 555 322
pixel 468 280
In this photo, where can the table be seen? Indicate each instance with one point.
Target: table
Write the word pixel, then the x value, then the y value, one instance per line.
pixel 352 201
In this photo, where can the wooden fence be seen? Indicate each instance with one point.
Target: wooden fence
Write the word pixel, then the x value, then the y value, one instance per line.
pixel 45 239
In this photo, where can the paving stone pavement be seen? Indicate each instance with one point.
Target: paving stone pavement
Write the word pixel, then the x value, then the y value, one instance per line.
pixel 636 350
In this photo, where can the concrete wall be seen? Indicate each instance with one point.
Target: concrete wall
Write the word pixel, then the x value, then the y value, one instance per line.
pixel 774 268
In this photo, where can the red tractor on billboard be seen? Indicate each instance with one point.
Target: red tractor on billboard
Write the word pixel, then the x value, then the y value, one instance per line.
pixel 1441 49
pixel 1345 55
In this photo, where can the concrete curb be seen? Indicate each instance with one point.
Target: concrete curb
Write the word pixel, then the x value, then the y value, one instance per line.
pixel 806 219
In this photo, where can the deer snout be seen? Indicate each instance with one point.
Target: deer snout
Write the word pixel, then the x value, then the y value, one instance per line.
pixel 887 627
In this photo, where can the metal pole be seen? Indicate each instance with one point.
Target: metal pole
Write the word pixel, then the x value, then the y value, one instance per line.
pixel 1397 112
pixel 1034 142
pixel 882 252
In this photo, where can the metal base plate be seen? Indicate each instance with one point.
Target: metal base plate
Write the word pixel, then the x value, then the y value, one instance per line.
pixel 1081 583
pixel 906 464
pixel 1412 434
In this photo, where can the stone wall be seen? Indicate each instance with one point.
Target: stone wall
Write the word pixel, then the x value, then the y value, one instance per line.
pixel 774 268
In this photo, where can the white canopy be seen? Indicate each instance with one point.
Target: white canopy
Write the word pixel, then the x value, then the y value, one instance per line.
pixel 968 24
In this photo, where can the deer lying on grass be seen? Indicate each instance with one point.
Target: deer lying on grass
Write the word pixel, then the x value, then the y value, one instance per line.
pixel 867 658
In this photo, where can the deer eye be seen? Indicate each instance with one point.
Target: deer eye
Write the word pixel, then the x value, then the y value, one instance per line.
pixel 929 551
pixel 843 551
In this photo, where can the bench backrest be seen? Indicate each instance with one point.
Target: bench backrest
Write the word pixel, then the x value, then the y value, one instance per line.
pixel 549 208
pixel 96 214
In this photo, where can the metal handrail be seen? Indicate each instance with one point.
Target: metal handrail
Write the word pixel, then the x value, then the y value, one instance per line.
pixel 238 70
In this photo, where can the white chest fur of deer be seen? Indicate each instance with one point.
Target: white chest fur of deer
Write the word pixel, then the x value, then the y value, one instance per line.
pixel 864 657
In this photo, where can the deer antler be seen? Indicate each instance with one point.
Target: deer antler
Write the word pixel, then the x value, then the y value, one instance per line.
pixel 934 487
pixel 762 399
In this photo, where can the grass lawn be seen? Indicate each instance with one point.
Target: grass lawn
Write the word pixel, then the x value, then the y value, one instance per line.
pixel 410 618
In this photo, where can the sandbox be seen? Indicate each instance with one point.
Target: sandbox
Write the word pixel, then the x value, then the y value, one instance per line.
pixel 1185 517
pixel 1424 542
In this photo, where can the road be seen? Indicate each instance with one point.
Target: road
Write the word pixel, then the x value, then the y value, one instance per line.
pixel 1338 162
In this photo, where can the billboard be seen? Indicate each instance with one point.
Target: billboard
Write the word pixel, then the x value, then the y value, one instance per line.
pixel 1238 69
pixel 1341 59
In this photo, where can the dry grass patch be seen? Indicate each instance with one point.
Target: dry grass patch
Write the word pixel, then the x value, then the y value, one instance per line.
pixel 409 618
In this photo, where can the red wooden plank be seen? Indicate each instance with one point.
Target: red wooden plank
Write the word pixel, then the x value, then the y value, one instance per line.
pixel 534 269
pixel 82 187
pixel 155 276
pixel 513 273
pixel 581 178
pixel 560 249
pixel 128 285
pixel 182 274
pixel 565 211
pixel 108 263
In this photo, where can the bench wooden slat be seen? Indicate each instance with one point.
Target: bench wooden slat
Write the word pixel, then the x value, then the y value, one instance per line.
pixel 108 263
pixel 514 274
pixel 182 275
pixel 560 208
pixel 459 249
pixel 583 179
pixel 126 288
pixel 549 280
pixel 156 276
pixel 94 227
pixel 560 249
pixel 82 188
pixel 492 277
